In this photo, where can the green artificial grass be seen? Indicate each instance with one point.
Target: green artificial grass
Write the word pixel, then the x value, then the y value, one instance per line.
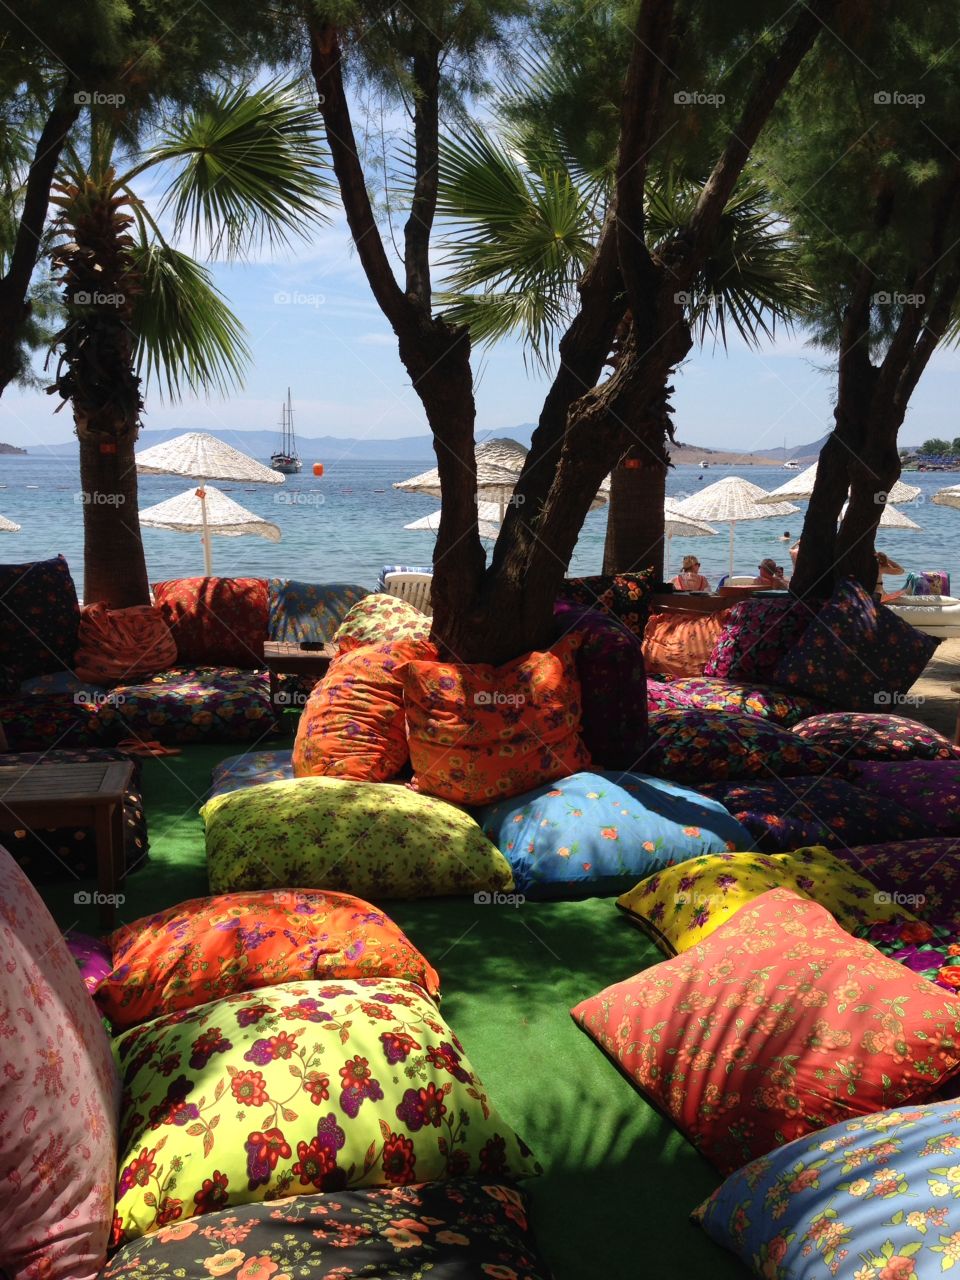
pixel 619 1181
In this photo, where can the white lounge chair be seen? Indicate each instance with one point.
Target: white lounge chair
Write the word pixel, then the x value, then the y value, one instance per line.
pixel 414 588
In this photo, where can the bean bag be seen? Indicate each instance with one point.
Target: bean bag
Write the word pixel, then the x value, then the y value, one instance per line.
pixel 930 948
pixel 118 646
pixel 929 788
pixel 298 611
pixel 92 956
pixel 922 875
pixel 663 695
pixel 778 1024
pixel 595 833
pixel 378 618
pixel 32 721
pixel 858 735
pixel 301 1086
pixel 677 643
pixel 377 840
pixel 215 704
pixel 755 636
pixel 715 694
pixel 39 618
pixel 624 596
pixel 251 769
pixel 218 622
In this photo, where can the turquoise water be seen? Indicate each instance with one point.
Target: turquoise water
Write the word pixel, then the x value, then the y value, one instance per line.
pixel 346 525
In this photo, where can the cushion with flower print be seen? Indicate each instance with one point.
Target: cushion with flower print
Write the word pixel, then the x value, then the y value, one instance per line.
pixel 757 633
pixel 663 695
pixel 922 875
pixel 871 1198
pixel 682 905
pixel 776 1025
pixel 860 735
pixel 378 618
pixel 750 699
pixel 459 1229
pixel 301 1087
pixel 927 787
pixel 624 596
pixel 928 947
pixel 595 833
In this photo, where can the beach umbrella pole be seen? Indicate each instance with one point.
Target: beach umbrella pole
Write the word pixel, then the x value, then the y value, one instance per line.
pixel 733 525
pixel 205 534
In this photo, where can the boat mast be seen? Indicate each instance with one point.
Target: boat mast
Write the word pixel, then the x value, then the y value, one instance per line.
pixel 289 447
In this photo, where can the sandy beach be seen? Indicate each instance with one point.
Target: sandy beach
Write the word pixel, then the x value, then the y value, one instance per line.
pixel 936 705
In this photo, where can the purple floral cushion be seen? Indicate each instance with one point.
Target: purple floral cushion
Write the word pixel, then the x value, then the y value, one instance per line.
pixel 785 814
pixel 855 654
pixel 663 695
pixel 861 735
pixel 697 746
pixel 203 704
pixel 718 694
pixel 92 956
pixel 757 634
pixel 613 686
pixel 39 617
pixel 929 788
pixel 921 875
pixel 624 596
pixel 34 721
pixel 928 947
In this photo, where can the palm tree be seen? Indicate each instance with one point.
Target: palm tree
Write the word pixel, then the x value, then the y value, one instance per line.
pixel 243 168
pixel 524 217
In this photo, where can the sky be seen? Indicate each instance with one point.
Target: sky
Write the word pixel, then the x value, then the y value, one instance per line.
pixel 313 325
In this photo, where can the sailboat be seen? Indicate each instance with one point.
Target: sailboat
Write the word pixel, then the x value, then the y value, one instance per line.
pixel 286 459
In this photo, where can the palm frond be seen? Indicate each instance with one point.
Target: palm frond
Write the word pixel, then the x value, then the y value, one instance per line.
pixel 492 316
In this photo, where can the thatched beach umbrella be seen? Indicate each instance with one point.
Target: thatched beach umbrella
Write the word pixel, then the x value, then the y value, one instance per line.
pixel 890 519
pixel 208 512
pixel 488 519
pixel 800 487
pixel 730 500
pixel 7 526
pixel 949 497
pixel 677 525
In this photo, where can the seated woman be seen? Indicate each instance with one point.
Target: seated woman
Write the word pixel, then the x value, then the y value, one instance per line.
pixel 690 578
pixel 771 576
pixel 884 565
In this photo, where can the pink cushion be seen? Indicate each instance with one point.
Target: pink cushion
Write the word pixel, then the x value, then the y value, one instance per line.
pixel 59 1099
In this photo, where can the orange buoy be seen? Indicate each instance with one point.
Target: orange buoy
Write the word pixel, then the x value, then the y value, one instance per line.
pixel 318 468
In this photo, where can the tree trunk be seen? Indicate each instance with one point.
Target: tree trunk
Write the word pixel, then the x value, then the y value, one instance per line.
pixel 635 537
pixel 114 569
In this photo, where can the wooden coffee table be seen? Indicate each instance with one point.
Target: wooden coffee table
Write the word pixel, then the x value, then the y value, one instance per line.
pixel 38 796
pixel 288 657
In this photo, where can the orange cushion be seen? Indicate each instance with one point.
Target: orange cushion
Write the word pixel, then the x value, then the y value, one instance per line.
pixel 216 622
pixel 481 733
pixel 118 646
pixel 208 948
pixel 352 725
pixel 678 644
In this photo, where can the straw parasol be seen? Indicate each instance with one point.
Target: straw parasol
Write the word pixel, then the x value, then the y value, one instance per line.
pixel 7 526
pixel 890 519
pixel 677 525
pixel 730 500
pixel 207 511
pixel 488 519
pixel 949 497
pixel 800 487
pixel 202 457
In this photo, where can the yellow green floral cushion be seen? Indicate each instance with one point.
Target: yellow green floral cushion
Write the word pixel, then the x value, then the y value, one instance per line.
pixel 301 1087
pixel 375 839
pixel 682 905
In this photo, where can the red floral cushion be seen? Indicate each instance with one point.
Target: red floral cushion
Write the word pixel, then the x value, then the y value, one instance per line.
pixel 758 632
pixel 923 875
pixel 215 621
pixel 778 1024
pixel 860 735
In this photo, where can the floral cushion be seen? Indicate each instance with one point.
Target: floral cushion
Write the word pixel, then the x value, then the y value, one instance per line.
pixel 353 724
pixel 613 686
pixel 859 735
pixel 214 704
pixel 92 956
pixel 461 1229
pixel 872 1198
pixel 39 618
pixel 31 722
pixel 312 1085
pixel 677 642
pixel 376 839
pixel 855 654
pixel 480 733
pixel 212 947
pixel 783 814
pixel 58 1099
pixel 928 947
pixel 697 746
pixel 716 694
pixel 595 833
pixel 61 853
pixel 663 695
pixel 757 633
pixel 215 621
pixel 777 1025
pixel 298 611
pixel 120 646
pixel 251 769
pixel 378 618
pixel 682 905
pixel 625 596
pixel 929 788
pixel 923 875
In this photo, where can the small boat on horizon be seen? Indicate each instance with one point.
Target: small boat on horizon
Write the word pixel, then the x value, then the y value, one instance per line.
pixel 286 460
pixel 791 465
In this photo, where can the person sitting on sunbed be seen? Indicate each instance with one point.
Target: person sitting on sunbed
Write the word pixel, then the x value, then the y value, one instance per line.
pixel 771 576
pixel 690 578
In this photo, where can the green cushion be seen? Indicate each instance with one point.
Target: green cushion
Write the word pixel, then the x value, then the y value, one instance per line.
pixel 377 840
pixel 305 1086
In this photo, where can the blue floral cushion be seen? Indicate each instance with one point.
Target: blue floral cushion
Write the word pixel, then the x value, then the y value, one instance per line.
pixel 39 618
pixel 598 833
pixel 251 769
pixel 308 610
pixel 855 654
pixel 874 1198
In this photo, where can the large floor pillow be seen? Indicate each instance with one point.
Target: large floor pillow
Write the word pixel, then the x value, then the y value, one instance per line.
pixel 378 618
pixel 930 788
pixel 121 646
pixel 662 695
pixel 39 618
pixel 860 735
pixel 872 1198
pixel 930 948
pixel 595 833
pixel 791 813
pixel 215 621
pixel 682 905
pixel 378 840
pixel 756 634
pixel 32 721
pixel 319 1086
pixel 59 1094
pixel 777 1025
pixel 855 654
pixel 215 704
pixel 251 769
pixel 716 694
pixel 208 948
pixel 922 875
pixel 624 596
pixel 460 1229
pixel 699 746
pixel 312 611
pixel 677 642
pixel 63 852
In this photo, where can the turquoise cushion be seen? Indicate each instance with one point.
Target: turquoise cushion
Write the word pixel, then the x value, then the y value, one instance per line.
pixel 599 833
pixel 308 610
pixel 868 1198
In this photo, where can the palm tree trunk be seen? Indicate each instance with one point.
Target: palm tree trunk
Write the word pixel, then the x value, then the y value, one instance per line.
pixel 114 569
pixel 635 536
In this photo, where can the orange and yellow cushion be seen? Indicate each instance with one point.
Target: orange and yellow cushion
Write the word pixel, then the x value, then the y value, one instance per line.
pixel 379 618
pixel 677 644
pixel 118 646
pixel 480 733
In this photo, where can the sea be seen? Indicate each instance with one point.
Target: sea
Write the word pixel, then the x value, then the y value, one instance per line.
pixel 347 524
